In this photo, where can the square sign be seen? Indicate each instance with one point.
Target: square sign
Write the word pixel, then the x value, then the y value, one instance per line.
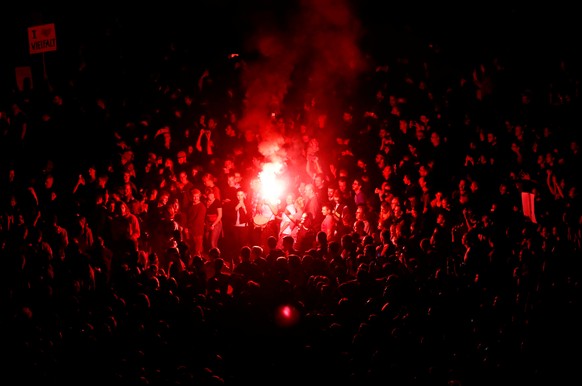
pixel 42 38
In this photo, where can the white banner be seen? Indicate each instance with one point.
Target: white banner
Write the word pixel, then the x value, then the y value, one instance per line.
pixel 42 38
pixel 528 204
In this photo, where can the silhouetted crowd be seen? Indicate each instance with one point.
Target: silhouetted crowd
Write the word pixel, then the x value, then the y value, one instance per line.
pixel 428 233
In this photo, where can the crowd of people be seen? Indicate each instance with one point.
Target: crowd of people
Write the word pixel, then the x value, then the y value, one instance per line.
pixel 428 232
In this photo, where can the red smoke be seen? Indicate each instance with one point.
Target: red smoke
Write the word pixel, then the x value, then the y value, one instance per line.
pixel 311 53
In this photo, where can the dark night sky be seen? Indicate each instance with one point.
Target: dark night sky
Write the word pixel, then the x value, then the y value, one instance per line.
pixel 535 34
pixel 535 25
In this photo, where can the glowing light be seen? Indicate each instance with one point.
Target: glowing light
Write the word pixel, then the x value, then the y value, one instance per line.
pixel 287 315
pixel 286 311
pixel 272 187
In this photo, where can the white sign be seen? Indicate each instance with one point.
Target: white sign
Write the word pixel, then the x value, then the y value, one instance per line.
pixel 42 38
pixel 528 204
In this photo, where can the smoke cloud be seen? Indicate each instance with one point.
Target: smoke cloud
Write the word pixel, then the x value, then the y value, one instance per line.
pixel 308 53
